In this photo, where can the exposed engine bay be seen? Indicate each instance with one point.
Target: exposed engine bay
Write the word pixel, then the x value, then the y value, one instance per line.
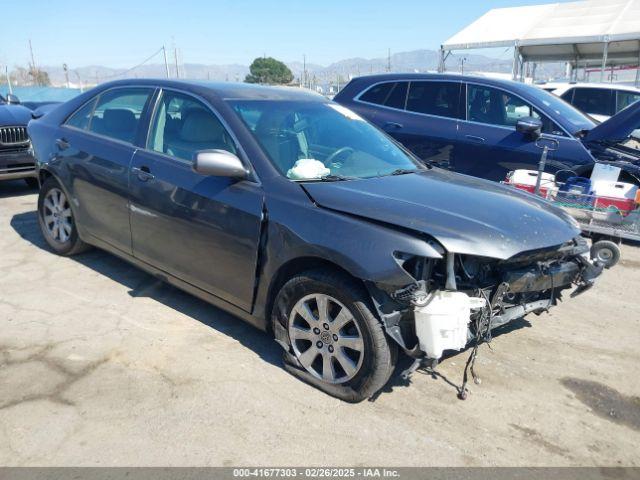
pixel 425 317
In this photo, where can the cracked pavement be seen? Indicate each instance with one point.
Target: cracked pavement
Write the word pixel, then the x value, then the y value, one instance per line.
pixel 102 365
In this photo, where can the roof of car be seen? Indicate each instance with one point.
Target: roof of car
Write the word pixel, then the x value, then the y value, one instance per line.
pixel 485 80
pixel 226 90
pixel 564 86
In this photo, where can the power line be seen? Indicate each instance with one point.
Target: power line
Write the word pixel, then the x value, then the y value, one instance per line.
pixel 133 68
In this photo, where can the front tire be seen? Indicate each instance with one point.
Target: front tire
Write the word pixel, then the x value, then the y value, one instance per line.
pixel 56 220
pixel 337 344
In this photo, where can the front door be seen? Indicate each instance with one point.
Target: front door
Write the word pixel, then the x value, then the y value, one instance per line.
pixel 202 229
pixel 490 146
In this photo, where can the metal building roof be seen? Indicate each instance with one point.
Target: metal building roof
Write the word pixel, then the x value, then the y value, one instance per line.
pixel 574 31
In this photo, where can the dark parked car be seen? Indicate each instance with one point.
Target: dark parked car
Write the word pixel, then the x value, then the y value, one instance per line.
pixel 481 126
pixel 16 158
pixel 298 216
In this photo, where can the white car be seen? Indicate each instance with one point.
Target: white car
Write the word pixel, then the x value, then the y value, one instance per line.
pixel 598 100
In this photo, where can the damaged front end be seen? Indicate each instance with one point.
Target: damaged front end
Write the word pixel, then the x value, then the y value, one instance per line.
pixel 459 298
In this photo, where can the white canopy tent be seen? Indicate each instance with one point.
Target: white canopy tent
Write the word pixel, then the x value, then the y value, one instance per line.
pixel 583 33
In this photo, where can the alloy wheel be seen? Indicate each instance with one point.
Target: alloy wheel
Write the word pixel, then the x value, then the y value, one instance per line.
pixel 326 338
pixel 604 255
pixel 57 217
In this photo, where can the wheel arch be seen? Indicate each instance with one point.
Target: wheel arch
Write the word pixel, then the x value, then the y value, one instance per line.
pixel 44 175
pixel 296 266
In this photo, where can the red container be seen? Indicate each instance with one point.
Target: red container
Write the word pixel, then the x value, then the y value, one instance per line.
pixel 624 205
pixel 530 188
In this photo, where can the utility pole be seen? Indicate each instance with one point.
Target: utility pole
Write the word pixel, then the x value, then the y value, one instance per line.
pixel 66 73
pixel 34 74
pixel 175 57
pixel 304 70
pixel 389 60
pixel 33 62
pixel 79 80
pixel 6 71
pixel 166 64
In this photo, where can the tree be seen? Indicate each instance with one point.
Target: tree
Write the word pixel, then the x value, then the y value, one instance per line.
pixel 30 76
pixel 269 70
pixel 39 77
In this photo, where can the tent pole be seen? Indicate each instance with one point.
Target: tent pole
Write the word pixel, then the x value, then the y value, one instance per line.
pixel 605 52
pixel 516 61
pixel 441 60
pixel 638 69
pixel 533 72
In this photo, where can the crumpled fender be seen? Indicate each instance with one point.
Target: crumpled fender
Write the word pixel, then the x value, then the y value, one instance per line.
pixel 366 252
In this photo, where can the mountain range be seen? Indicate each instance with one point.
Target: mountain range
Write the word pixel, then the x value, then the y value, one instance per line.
pixel 337 72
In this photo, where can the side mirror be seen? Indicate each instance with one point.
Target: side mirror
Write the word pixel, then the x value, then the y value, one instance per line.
pixel 218 163
pixel 12 99
pixel 530 127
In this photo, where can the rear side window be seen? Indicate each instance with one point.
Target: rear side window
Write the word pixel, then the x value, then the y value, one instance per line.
pixel 80 119
pixel 596 101
pixel 117 113
pixel 390 94
pixel 398 96
pixel 435 98
pixel 378 93
pixel 624 99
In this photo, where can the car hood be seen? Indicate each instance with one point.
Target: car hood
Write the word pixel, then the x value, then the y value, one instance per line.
pixel 616 129
pixel 14 115
pixel 465 214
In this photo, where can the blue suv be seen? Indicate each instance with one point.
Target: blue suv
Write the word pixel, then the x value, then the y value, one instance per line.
pixel 486 127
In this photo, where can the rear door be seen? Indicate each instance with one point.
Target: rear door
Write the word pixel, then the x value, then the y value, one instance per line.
pixel 422 115
pixel 98 142
pixel 491 147
pixel 201 229
pixel 430 121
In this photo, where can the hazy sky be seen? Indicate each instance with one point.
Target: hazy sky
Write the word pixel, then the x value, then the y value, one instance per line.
pixel 121 33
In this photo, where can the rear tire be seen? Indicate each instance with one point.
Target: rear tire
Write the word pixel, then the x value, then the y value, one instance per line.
pixel 344 352
pixel 57 221
pixel 606 252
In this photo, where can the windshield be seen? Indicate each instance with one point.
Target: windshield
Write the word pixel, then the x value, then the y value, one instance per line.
pixel 315 141
pixel 577 119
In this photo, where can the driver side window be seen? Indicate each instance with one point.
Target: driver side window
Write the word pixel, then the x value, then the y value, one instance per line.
pixel 493 106
pixel 183 126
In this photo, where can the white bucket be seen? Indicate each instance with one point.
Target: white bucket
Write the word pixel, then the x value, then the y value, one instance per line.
pixel 443 322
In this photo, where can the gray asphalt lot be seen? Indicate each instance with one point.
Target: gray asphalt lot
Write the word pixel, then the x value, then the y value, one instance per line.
pixel 101 365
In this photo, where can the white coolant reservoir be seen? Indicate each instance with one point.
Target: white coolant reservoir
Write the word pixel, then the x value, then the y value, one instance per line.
pixel 442 323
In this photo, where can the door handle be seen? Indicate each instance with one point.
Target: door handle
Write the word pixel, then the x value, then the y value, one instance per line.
pixel 62 143
pixel 392 125
pixel 475 139
pixel 143 173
